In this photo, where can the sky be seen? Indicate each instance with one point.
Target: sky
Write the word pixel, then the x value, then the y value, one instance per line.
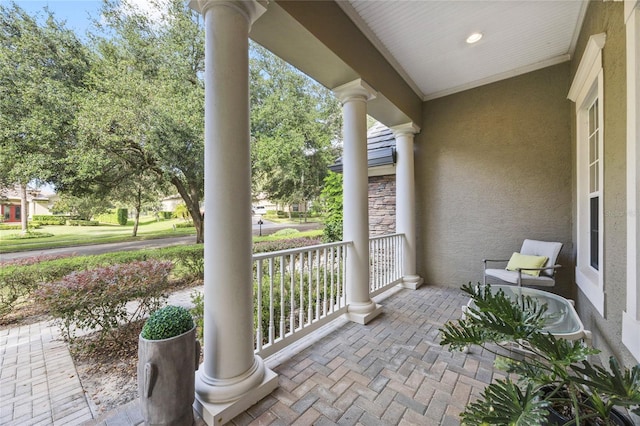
pixel 76 13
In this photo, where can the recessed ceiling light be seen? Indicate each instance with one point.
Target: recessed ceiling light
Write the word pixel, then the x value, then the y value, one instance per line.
pixel 474 38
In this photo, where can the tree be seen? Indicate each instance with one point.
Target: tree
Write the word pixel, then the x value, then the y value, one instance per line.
pixel 143 112
pixel 140 190
pixel 332 197
pixel 84 207
pixel 42 66
pixel 294 124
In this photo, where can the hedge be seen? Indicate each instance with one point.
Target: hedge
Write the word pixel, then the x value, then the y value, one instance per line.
pixel 109 218
pixel 47 219
pixel 79 222
pixel 123 216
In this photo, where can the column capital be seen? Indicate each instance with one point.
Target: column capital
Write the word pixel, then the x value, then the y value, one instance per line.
pixel 250 9
pixel 405 129
pixel 355 90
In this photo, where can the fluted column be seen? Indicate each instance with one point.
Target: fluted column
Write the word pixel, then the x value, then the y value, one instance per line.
pixel 354 97
pixel 406 201
pixel 231 378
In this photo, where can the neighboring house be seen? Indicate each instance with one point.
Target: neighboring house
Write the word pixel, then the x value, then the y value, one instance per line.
pixel 38 203
pixel 169 204
pixel 381 159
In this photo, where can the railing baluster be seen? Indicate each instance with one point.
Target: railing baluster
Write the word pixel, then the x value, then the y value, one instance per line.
pixel 259 306
pixel 309 289
pixel 333 273
pixel 301 307
pixel 282 299
pixel 325 306
pixel 271 313
pixel 316 256
pixel 292 295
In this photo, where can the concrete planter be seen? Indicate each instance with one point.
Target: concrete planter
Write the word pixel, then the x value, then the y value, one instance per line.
pixel 166 378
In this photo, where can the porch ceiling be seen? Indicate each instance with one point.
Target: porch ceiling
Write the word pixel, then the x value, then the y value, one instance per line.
pixel 425 40
pixel 412 51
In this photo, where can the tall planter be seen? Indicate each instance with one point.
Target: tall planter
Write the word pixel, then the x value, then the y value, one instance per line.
pixel 166 378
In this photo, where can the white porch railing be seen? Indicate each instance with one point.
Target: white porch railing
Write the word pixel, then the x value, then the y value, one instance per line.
pixel 385 265
pixel 297 291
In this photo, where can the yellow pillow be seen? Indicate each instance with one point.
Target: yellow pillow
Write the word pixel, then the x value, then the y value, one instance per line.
pixel 526 261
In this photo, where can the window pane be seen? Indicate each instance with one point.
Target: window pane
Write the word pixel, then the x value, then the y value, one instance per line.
pixel 594 231
pixel 18 213
pixel 593 148
pixel 592 120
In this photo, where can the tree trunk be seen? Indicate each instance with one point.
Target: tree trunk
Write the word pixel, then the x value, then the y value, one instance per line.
pixel 23 208
pixel 137 208
pixel 192 202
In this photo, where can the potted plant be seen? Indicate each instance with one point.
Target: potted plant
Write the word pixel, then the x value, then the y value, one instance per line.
pixel 168 354
pixel 551 380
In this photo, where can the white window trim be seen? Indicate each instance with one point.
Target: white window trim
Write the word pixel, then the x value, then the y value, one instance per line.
pixel 631 318
pixel 587 84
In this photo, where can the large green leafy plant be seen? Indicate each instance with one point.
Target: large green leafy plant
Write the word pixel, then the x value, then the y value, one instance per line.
pixel 547 374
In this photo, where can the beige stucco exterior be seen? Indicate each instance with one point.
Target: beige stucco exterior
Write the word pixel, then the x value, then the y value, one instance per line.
pixel 608 17
pixel 493 167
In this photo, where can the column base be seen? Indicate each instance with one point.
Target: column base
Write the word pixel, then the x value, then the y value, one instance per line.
pixel 361 316
pixel 412 282
pixel 221 413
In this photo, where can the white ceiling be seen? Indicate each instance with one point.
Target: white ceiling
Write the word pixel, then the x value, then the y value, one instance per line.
pixel 425 39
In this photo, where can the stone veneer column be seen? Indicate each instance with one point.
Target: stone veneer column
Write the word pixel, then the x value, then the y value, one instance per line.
pixel 231 378
pixel 406 201
pixel 354 97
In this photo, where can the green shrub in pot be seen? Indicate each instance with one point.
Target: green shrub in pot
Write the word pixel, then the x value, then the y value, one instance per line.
pixel 168 354
pixel 167 322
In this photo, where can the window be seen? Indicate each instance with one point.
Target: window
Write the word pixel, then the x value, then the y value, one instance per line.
pixel 588 94
pixel 594 185
pixel 18 213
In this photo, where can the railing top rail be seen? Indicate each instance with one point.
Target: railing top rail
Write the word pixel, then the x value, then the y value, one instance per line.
pixel 381 237
pixel 269 254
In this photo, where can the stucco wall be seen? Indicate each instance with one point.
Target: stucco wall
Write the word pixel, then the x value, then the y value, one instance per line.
pixel 608 17
pixel 493 167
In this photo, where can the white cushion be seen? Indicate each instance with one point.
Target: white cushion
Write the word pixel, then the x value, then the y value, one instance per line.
pixel 542 248
pixel 527 280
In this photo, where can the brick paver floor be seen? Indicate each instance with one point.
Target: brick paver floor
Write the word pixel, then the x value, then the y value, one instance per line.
pixel 391 371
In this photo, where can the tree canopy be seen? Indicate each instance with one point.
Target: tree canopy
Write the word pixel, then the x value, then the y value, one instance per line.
pixel 295 123
pixel 143 110
pixel 42 66
pixel 123 113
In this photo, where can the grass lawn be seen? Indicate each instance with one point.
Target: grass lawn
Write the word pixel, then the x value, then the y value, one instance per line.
pixel 68 236
pixel 65 236
pixel 276 219
pixel 275 237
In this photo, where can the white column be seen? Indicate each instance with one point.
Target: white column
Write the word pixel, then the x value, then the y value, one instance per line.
pixel 231 378
pixel 406 201
pixel 354 97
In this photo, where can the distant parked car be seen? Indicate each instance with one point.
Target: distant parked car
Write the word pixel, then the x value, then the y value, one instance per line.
pixel 261 210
